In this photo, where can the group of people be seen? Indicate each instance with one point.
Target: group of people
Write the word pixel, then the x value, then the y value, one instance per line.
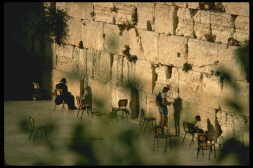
pixel 194 125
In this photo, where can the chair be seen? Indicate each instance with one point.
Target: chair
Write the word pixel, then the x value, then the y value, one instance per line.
pixel 205 144
pixel 157 134
pixel 59 92
pixel 145 121
pixel 122 108
pixel 83 107
pixel 187 130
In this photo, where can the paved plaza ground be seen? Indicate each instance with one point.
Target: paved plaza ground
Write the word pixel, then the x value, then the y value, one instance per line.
pixel 18 150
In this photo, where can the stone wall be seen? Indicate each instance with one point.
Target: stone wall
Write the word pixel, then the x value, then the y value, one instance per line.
pixel 165 37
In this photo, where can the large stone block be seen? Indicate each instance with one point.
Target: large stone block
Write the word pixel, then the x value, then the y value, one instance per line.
pixel 202 24
pixel 165 19
pixel 172 50
pixel 145 15
pixel 143 74
pixel 185 22
pixel 222 26
pixel 237 8
pixel 181 4
pixel 103 12
pixel 241 28
pixel 64 58
pixel 149 42
pixel 75 27
pixel 117 70
pixel 86 8
pixel 203 55
pixel 193 5
pixel 113 42
pixel 124 12
pixel 229 61
pixel 190 87
pixel 100 96
pixel 240 96
pixel 91 30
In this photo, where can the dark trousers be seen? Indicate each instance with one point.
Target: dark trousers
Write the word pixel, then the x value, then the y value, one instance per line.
pixel 67 98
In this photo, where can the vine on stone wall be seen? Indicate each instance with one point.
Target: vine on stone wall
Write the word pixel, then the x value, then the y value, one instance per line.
pixel 187 67
pixel 126 53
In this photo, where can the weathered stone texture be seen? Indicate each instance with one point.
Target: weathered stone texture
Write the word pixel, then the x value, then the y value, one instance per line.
pixel 229 62
pixel 181 4
pixel 143 74
pixel 241 28
pixel 237 8
pixel 145 15
pixel 124 12
pixel 113 42
pixel 93 35
pixel 75 27
pixel 86 8
pixel 64 58
pixel 172 50
pixel 202 54
pixel 165 19
pixel 202 24
pixel 103 12
pixel 185 23
pixel 222 26
pixel 149 42
pixel 193 5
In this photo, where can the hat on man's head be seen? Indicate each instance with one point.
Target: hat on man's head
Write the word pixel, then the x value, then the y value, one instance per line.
pixel 63 80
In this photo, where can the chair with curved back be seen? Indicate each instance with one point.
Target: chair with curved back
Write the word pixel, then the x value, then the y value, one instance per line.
pixel 187 130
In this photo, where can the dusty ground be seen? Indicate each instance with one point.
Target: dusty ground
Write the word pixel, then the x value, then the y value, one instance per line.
pixel 19 150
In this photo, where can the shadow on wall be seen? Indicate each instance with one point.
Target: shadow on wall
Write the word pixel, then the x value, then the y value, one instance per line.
pixel 27 51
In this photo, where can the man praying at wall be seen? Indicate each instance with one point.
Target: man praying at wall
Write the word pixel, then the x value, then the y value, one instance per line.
pixel 162 103
pixel 65 96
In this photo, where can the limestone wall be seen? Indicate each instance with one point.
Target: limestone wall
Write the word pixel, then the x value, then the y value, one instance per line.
pixel 164 37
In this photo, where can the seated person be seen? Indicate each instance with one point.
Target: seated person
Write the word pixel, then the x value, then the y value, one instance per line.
pixel 194 125
pixel 65 96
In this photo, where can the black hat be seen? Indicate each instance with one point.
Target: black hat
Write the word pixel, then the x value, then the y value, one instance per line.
pixel 63 80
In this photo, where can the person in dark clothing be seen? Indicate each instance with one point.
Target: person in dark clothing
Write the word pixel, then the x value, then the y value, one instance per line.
pixel 65 96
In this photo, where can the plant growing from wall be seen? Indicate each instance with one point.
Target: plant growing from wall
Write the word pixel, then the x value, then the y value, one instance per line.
pixel 81 45
pixel 125 26
pixel 114 9
pixel 126 53
pixel 187 67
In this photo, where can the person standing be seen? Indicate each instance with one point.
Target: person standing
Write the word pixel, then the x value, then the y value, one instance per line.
pixel 162 103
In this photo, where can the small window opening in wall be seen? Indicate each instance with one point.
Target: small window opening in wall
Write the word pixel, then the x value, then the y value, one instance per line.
pixel 169 71
pixel 178 54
